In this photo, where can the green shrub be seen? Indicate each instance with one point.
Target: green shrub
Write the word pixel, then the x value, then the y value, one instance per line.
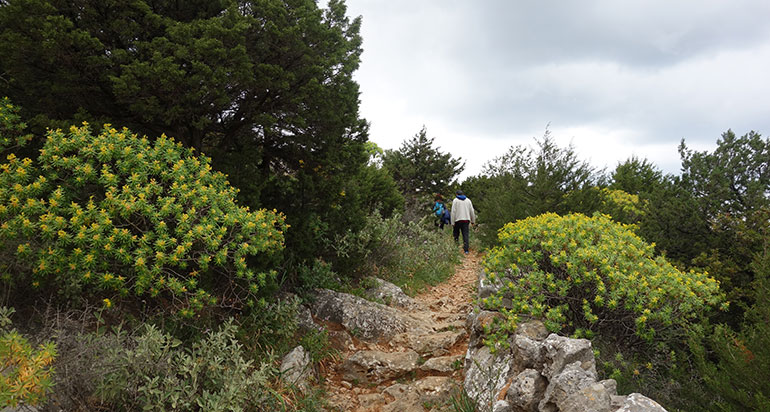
pixel 115 215
pixel 409 254
pixel 734 364
pixel 587 275
pixel 26 372
pixel 11 127
pixel 623 207
pixel 158 374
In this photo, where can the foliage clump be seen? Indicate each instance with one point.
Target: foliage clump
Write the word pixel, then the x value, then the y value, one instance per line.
pixel 411 255
pixel 528 181
pixel 158 373
pixel 11 127
pixel 115 215
pixel 588 275
pixel 26 374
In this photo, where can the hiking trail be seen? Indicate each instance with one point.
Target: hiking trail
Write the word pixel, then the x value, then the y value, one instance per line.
pixel 416 370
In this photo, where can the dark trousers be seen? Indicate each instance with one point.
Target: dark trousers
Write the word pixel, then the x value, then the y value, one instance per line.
pixel 462 226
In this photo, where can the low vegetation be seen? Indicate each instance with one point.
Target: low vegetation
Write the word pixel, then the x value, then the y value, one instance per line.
pixel 586 276
pixel 141 275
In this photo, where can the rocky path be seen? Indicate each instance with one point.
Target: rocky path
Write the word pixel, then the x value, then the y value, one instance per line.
pixel 406 355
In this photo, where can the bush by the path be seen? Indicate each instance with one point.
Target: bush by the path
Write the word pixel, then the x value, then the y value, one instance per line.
pixel 592 275
pixel 116 216
pixel 410 254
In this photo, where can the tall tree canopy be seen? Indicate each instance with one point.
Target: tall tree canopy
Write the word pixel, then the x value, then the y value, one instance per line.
pixel 528 181
pixel 419 168
pixel 262 86
pixel 636 176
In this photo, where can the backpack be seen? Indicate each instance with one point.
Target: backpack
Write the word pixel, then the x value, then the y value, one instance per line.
pixel 439 209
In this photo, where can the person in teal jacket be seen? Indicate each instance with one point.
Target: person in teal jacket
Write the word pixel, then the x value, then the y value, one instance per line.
pixel 440 211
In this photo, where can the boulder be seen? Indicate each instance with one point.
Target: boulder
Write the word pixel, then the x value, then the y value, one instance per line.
pixel 373 367
pixel 530 354
pixel 486 374
pixel 413 397
pixel 637 402
pixel 370 401
pixel 487 287
pixel 502 406
pixel 391 294
pixel 305 321
pixel 561 351
pixel 476 322
pixel 593 398
pixel 571 379
pixel 526 391
pixel 442 364
pixel 533 329
pixel 429 344
pixel 297 370
pixel 362 318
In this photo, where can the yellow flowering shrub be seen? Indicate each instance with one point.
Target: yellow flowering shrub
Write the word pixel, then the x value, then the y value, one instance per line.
pixel 623 207
pixel 118 215
pixel 586 275
pixel 11 127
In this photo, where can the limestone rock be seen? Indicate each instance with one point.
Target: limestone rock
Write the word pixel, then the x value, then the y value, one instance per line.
pixel 363 319
pixel 502 406
pixel 340 340
pixel 366 367
pixel 530 354
pixel 305 321
pixel 296 368
pixel 611 385
pixel 486 374
pixel 593 398
pixel 533 329
pixel 426 391
pixel 636 402
pixel 442 364
pixel 526 391
pixel 391 294
pixel 370 401
pixel 561 351
pixel 475 324
pixel 434 388
pixel 572 379
pixel 487 287
pixel 430 344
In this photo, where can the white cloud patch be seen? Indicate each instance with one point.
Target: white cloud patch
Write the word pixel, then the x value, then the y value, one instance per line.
pixel 615 78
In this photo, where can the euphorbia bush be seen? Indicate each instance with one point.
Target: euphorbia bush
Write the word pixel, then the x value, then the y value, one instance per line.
pixel 586 275
pixel 117 215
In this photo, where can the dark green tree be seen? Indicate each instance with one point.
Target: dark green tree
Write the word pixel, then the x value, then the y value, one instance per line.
pixel 636 176
pixel 731 191
pixel 262 86
pixel 732 181
pixel 529 181
pixel 733 364
pixel 421 169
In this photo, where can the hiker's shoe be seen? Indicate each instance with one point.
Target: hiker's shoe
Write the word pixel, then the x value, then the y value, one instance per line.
pixel 466 252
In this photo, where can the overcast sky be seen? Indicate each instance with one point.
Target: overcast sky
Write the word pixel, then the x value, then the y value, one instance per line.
pixel 614 78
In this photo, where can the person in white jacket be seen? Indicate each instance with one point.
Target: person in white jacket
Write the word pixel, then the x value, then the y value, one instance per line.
pixel 462 217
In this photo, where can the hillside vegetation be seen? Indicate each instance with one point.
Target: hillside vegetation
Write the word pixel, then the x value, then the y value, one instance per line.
pixel 176 178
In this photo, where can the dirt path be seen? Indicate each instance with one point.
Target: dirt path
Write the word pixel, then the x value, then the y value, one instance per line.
pixel 439 370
